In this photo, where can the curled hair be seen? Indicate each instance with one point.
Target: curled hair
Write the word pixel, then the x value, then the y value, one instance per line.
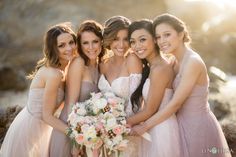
pixel 148 26
pixel 112 26
pixel 94 27
pixel 137 94
pixel 50 49
pixel 178 25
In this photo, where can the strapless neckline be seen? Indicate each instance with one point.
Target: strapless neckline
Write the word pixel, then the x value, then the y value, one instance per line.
pixel 42 89
pixel 112 82
pixel 116 79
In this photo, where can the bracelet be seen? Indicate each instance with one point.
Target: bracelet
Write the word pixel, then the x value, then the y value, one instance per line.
pixel 67 130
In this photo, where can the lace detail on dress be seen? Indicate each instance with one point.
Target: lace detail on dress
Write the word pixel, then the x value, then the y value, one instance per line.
pixel 122 86
pixel 134 81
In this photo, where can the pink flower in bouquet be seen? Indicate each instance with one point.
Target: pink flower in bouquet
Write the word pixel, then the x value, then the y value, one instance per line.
pixel 79 138
pixel 118 129
pixel 96 95
pixel 112 102
pixel 99 126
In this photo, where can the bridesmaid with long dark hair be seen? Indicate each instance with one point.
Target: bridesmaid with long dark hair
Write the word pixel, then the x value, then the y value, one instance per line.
pixel 155 90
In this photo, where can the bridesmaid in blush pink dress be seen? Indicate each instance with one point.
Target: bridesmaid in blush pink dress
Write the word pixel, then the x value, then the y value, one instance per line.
pixel 82 79
pixel 29 133
pixel 200 132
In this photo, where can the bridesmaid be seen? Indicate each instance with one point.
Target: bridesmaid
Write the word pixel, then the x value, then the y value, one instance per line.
pixel 82 79
pixel 156 90
pixel 201 134
pixel 29 133
pixel 121 73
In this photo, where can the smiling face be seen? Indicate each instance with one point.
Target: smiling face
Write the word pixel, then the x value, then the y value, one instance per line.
pixel 142 43
pixel 168 39
pixel 66 47
pixel 120 44
pixel 90 44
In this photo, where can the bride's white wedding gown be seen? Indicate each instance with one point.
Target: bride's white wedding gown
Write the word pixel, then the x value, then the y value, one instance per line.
pixel 124 87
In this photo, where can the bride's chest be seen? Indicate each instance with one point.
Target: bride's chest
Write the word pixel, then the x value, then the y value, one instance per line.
pixel 120 86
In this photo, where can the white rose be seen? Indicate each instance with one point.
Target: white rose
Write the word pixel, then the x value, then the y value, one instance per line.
pixel 111 123
pixel 95 109
pixel 109 94
pixel 100 103
pixel 90 133
pixel 82 111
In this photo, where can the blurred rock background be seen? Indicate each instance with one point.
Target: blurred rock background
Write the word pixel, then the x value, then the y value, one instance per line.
pixel 211 25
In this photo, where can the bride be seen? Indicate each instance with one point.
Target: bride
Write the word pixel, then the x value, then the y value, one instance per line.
pixel 121 73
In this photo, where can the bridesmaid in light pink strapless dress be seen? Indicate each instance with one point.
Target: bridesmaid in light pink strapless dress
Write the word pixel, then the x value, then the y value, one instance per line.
pixel 29 135
pixel 165 136
pixel 200 132
pixel 60 144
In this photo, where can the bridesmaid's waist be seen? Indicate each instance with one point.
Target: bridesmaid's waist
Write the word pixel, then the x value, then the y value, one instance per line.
pixel 193 110
pixel 36 114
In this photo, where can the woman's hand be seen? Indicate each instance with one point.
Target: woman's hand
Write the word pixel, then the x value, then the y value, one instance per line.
pixel 76 152
pixel 138 130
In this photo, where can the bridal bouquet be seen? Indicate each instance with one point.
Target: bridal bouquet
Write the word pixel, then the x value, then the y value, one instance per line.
pixel 84 129
pixel 99 121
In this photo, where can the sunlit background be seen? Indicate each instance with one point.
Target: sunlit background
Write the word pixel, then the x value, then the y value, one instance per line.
pixel 211 24
pixel 23 23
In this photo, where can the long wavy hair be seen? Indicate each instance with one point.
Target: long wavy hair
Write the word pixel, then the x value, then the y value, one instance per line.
pixel 94 27
pixel 147 25
pixel 50 49
pixel 112 26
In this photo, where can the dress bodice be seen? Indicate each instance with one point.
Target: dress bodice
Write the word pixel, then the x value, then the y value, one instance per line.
pixel 166 98
pixel 198 126
pixel 197 101
pixel 122 86
pixel 35 100
pixel 85 90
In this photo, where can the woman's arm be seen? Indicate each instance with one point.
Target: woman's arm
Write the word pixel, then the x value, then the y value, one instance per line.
pixel 73 81
pixel 134 64
pixel 73 85
pixel 52 85
pixel 159 80
pixel 191 73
